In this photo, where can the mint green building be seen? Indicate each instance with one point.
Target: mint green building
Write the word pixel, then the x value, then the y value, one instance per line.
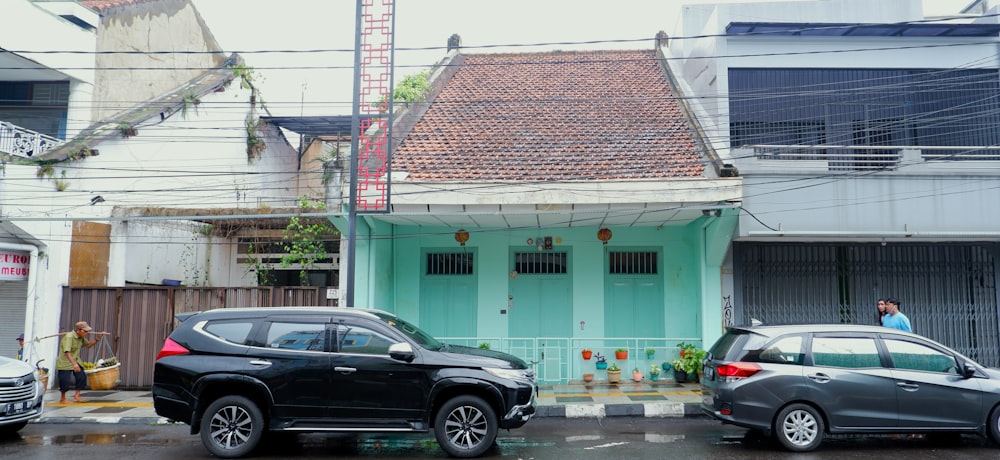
pixel 546 212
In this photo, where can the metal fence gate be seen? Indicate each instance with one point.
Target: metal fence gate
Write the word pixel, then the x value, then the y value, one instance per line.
pixel 949 291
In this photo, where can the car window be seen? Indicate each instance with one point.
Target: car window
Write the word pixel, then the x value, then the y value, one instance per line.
pixel 847 352
pixel 231 331
pixel 787 350
pixel 917 357
pixel 361 339
pixel 737 345
pixel 296 336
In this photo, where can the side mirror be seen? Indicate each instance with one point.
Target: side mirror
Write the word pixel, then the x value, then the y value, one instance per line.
pixel 968 371
pixel 401 351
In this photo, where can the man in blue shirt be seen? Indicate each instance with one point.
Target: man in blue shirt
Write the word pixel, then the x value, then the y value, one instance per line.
pixel 895 318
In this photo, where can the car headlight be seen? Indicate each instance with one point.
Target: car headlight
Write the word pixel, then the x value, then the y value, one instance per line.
pixel 512 374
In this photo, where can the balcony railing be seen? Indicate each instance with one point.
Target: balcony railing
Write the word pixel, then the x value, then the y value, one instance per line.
pixel 558 359
pixel 17 141
pixel 867 157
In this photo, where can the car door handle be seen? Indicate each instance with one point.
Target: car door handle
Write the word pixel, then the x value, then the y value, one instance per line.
pixel 345 370
pixel 259 362
pixel 819 378
pixel 908 386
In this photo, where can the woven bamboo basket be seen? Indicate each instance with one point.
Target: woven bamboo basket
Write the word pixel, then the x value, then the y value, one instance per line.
pixel 104 378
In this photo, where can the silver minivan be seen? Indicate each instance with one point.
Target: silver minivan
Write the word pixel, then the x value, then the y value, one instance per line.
pixel 21 395
pixel 798 383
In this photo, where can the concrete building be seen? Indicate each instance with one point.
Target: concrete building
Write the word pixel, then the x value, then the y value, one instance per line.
pixel 866 137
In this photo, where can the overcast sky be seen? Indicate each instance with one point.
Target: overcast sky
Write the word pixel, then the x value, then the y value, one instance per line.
pixel 329 25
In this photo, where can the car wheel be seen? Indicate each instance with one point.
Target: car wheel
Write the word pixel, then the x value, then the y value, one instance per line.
pixel 994 425
pixel 799 428
pixel 231 427
pixel 466 426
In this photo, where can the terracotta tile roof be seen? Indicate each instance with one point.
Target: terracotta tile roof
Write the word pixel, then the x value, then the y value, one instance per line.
pixel 553 116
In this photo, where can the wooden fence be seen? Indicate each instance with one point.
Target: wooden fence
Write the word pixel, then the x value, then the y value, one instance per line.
pixel 140 318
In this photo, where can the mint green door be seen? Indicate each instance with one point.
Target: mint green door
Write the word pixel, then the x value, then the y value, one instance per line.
pixel 541 296
pixel 633 294
pixel 448 294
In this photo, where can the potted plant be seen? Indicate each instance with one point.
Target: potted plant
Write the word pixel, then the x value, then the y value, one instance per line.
pixel 636 375
pixel 587 353
pixel 601 362
pixel 614 373
pixel 484 346
pixel 650 353
pixel 621 354
pixel 687 367
pixel 588 377
pixel 665 365
pixel 654 372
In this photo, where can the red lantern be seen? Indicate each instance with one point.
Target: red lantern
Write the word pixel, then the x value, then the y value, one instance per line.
pixel 604 235
pixel 462 236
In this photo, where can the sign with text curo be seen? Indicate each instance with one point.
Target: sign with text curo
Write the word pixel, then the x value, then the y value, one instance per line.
pixel 14 266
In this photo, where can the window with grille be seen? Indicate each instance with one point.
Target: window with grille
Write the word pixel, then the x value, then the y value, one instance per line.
pixel 540 263
pixel 449 263
pixel 632 263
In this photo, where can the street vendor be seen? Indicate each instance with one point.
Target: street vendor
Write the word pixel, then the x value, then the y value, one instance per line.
pixel 68 363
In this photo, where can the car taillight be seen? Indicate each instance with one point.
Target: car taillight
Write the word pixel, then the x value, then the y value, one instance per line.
pixel 171 348
pixel 735 371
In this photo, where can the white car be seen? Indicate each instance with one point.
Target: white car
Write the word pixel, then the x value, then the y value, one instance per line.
pixel 21 394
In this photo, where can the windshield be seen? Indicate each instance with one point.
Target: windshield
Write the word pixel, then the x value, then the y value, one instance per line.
pixel 413 332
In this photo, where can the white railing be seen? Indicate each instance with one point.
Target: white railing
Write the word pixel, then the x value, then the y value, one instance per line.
pixel 559 360
pixel 17 141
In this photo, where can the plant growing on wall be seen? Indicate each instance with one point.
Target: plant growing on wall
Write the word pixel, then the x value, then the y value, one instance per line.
pixel 413 88
pixel 127 130
pixel 60 182
pixel 262 270
pixel 188 102
pixel 255 141
pixel 304 241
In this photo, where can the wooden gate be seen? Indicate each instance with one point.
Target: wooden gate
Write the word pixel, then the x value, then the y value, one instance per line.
pixel 141 317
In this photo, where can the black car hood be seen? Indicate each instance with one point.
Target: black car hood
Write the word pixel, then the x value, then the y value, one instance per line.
pixel 484 358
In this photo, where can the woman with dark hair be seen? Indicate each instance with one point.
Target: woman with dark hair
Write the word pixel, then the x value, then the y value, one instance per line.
pixel 880 312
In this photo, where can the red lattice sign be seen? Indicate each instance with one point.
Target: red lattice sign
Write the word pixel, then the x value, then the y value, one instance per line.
pixel 376 76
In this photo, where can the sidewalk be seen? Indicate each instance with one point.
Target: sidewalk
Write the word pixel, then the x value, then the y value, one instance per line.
pixel 573 400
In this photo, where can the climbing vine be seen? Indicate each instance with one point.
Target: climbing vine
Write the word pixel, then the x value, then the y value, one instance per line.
pixel 304 239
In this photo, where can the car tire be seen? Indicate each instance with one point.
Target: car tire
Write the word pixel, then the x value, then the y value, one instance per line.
pixel 799 428
pixel 466 426
pixel 231 427
pixel 993 428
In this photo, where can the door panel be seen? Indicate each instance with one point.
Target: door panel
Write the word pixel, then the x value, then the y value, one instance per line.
pixel 848 379
pixel 295 367
pixel 448 305
pixel 366 384
pixel 541 307
pixel 634 308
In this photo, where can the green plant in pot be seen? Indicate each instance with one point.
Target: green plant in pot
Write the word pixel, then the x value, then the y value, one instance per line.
pixel 688 365
pixel 601 362
pixel 654 372
pixel 614 373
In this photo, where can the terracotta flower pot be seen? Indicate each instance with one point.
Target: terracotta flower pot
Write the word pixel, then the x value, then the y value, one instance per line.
pixel 587 354
pixel 621 355
pixel 588 377
pixel 637 376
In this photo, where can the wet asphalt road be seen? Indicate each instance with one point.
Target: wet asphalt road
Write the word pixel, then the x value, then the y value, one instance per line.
pixel 545 438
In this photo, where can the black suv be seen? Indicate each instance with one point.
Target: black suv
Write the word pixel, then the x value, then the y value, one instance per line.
pixel 234 374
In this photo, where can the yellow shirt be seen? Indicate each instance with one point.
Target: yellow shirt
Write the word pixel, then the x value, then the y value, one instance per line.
pixel 72 343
